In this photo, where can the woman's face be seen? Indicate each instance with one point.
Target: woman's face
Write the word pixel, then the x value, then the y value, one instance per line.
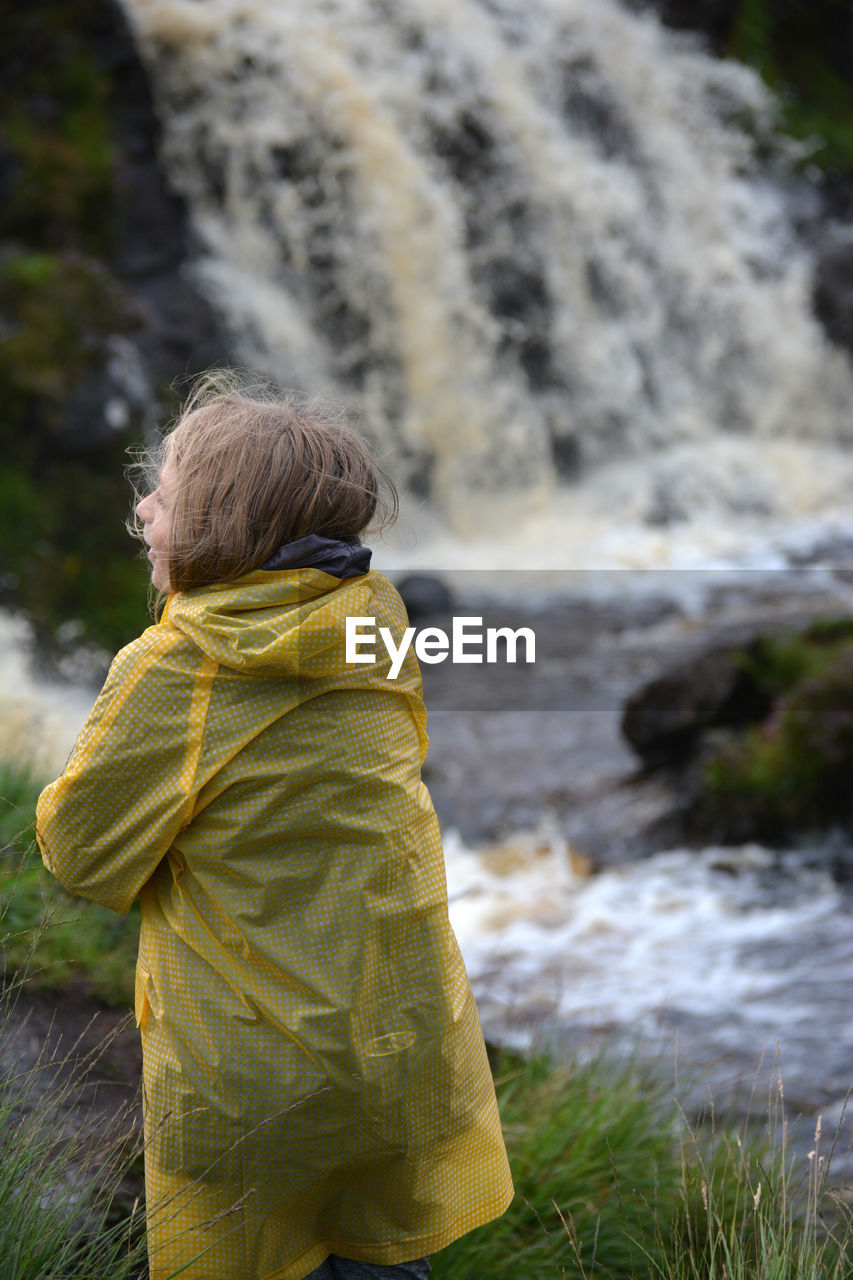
pixel 155 512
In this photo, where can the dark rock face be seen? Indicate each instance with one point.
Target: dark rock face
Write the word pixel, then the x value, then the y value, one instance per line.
pixel 179 332
pixel 116 210
pixel 424 596
pixel 833 286
pixel 716 18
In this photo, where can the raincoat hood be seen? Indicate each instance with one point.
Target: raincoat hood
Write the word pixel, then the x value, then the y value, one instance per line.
pixel 290 622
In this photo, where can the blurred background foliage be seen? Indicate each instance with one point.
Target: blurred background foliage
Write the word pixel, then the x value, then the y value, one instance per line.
pixel 65 554
pixel 803 50
pixel 96 320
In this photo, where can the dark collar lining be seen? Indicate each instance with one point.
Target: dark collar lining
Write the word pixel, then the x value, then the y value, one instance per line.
pixel 332 555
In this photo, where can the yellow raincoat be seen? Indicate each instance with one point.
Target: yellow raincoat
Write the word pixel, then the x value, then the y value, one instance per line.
pixel 314 1071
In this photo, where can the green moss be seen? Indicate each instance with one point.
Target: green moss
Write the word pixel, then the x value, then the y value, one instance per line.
pixel 58 308
pixel 67 556
pixel 828 630
pixel 751 38
pixel 750 787
pixel 776 664
pixel 793 771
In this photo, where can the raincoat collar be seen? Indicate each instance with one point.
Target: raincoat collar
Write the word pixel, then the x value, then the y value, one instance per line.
pixel 332 555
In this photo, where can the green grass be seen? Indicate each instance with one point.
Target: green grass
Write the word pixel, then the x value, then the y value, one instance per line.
pixel 63 1215
pixel 613 1183
pixel 56 939
pixel 64 1168
pixel 19 790
pixel 588 1147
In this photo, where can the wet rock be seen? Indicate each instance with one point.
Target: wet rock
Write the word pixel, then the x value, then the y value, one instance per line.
pixel 179 332
pixel 664 720
pixel 424 596
pixel 716 18
pixel 107 399
pixel 85 194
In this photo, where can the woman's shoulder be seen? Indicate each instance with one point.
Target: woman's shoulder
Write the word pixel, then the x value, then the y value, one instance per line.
pixel 160 648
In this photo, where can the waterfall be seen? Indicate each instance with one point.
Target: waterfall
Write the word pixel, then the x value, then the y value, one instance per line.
pixel 543 246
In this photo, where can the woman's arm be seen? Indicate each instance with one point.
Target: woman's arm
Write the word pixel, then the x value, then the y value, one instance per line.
pixel 130 784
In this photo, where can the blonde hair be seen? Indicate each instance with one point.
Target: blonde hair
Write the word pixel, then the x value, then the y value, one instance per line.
pixel 253 470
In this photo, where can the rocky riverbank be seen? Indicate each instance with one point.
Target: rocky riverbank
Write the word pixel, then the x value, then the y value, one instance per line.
pixel 511 743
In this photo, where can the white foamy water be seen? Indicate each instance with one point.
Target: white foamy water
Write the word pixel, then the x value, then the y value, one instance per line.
pixel 603 523
pixel 748 953
pixel 528 240
pixel 39 718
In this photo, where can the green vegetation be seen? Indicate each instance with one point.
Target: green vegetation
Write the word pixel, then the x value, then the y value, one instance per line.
pixel 66 554
pixel 803 54
pixel 792 771
pixel 589 1148
pixel 63 1187
pixel 55 939
pixel 57 127
pixel 612 1183
pixel 63 500
pixel 19 791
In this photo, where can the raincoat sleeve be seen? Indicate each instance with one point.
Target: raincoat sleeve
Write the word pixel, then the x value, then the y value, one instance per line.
pixel 129 785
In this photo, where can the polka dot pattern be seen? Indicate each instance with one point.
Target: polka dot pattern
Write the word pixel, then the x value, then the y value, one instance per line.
pixel 315 1078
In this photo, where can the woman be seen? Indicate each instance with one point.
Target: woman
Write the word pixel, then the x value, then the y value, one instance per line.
pixel 316 1087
